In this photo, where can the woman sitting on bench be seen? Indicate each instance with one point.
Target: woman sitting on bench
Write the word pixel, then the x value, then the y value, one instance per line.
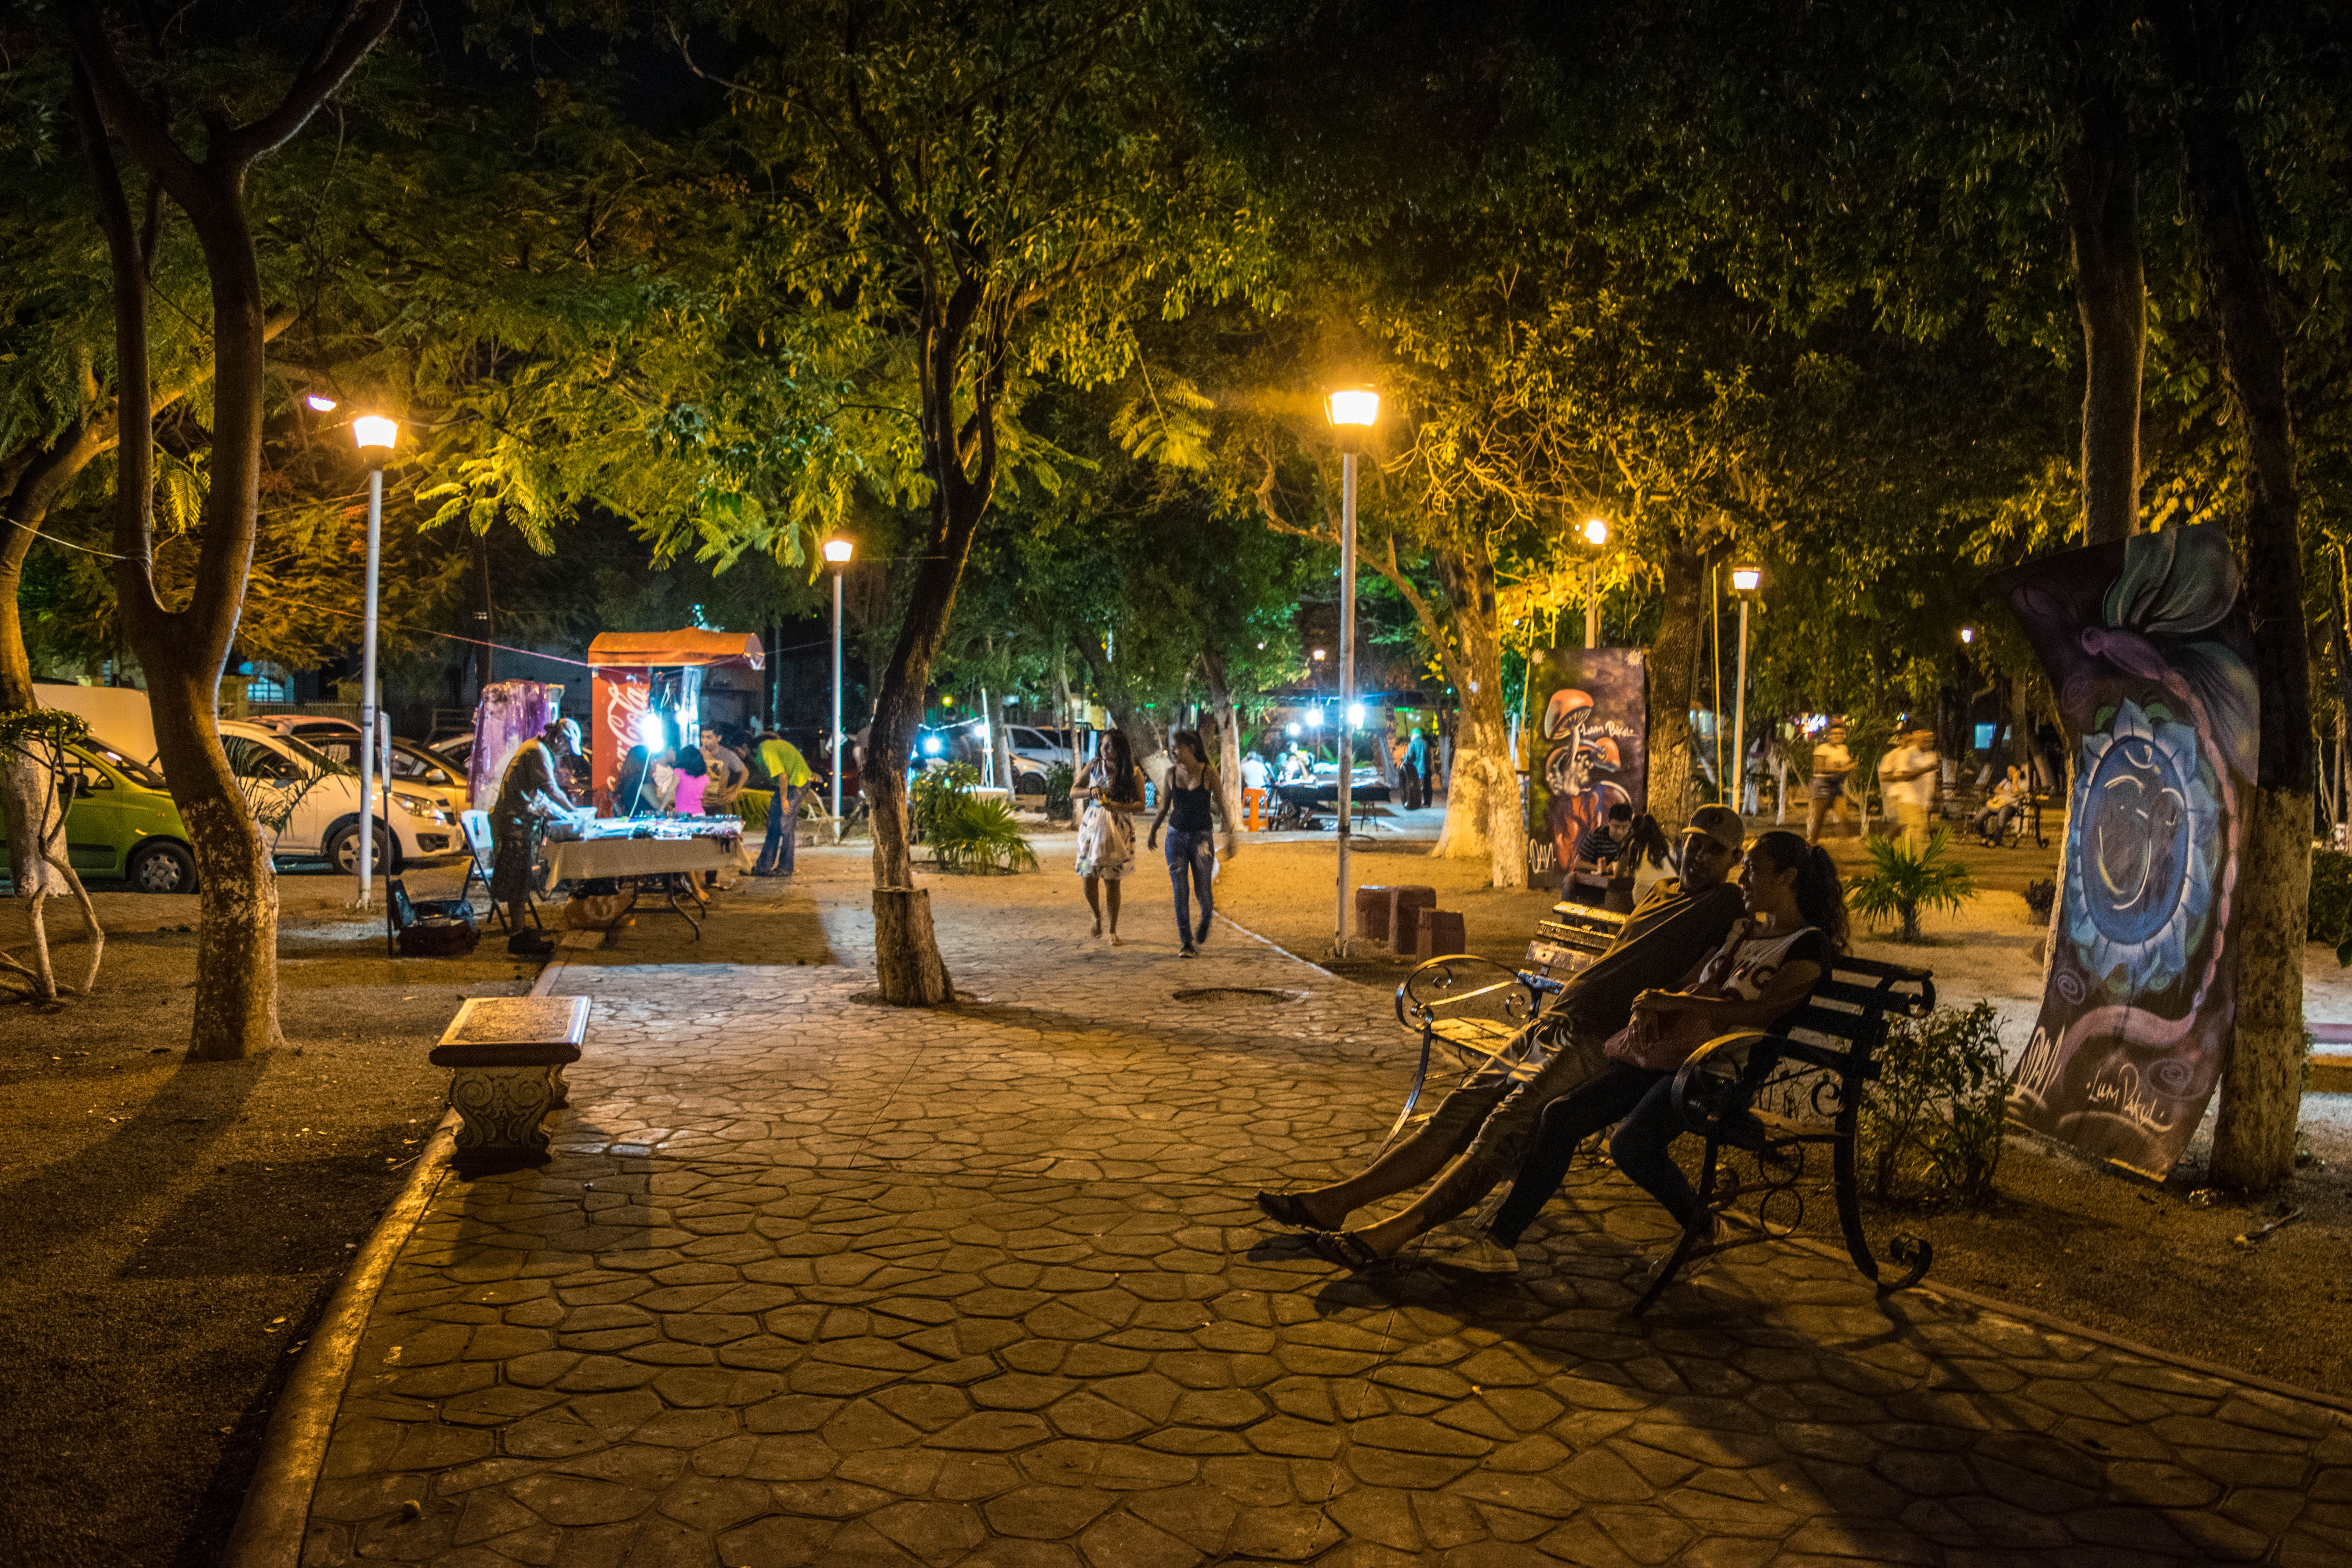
pixel 1764 971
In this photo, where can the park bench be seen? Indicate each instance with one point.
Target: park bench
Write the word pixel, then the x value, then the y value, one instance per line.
pixel 1776 1096
pixel 507 1057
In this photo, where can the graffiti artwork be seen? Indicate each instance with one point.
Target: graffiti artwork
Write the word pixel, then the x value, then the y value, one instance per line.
pixel 1585 741
pixel 2151 662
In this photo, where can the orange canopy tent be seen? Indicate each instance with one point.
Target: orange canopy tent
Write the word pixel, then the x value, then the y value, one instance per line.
pixel 638 676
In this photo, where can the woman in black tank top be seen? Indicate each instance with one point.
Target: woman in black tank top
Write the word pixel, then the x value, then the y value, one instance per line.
pixel 1191 794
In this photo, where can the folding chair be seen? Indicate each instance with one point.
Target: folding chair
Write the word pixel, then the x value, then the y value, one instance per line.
pixel 481 847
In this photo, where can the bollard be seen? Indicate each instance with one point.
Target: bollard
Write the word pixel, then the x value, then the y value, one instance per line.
pixel 1373 908
pixel 1404 907
pixel 1440 934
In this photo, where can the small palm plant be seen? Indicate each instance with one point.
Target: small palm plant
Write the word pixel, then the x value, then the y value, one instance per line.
pixel 1901 883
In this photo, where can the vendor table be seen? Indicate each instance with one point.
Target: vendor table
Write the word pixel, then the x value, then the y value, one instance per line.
pixel 677 850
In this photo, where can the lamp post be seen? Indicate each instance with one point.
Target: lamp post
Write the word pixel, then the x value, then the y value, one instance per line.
pixel 1744 581
pixel 837 552
pixel 375 435
pixel 1596 535
pixel 1353 411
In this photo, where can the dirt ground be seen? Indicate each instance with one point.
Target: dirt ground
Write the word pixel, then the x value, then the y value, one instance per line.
pixel 2152 1262
pixel 170 1230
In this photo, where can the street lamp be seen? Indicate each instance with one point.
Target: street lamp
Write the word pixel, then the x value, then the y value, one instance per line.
pixel 375 436
pixel 1596 536
pixel 1746 582
pixel 837 552
pixel 1353 411
pixel 1968 633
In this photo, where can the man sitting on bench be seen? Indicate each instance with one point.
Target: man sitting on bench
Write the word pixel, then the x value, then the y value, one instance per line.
pixel 1484 1126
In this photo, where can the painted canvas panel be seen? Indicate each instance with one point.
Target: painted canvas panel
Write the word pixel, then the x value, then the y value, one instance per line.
pixel 2151 659
pixel 1586 730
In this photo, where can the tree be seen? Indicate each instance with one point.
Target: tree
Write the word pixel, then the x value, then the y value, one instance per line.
pixel 183 650
pixel 994 196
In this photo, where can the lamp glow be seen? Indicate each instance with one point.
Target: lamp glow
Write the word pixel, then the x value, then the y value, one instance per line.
pixel 930 746
pixel 319 404
pixel 376 437
pixel 838 551
pixel 1746 579
pixel 1318 656
pixel 1291 731
pixel 1596 531
pixel 1315 718
pixel 1356 405
pixel 1355 715
pixel 1968 633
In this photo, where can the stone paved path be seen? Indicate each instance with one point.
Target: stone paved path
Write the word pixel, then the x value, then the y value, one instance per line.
pixel 814 1281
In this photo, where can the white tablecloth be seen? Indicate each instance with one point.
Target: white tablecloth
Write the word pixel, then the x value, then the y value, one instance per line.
pixel 578 861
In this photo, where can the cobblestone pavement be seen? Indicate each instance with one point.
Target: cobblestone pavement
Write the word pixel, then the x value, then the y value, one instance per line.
pixel 815 1281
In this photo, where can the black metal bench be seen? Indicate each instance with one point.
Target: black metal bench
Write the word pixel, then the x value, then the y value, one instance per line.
pixel 1779 1096
pixel 1773 1096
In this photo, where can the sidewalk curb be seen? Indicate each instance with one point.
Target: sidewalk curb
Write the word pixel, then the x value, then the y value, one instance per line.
pixel 271 1525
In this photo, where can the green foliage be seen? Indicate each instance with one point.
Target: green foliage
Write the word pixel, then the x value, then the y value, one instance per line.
pixel 967 833
pixel 1058 779
pixel 1900 883
pixel 1930 1128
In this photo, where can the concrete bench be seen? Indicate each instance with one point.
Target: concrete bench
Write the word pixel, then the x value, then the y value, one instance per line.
pixel 507 1057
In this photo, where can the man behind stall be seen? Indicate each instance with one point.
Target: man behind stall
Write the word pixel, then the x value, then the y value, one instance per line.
pixel 529 794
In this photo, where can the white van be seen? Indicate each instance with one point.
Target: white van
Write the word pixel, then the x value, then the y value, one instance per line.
pixel 309 804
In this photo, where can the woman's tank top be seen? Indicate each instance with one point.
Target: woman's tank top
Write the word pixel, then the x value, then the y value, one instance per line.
pixel 1189 807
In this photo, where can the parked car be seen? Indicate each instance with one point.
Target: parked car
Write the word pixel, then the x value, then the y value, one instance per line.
pixel 120 822
pixel 1040 745
pixel 414 768
pixel 308 804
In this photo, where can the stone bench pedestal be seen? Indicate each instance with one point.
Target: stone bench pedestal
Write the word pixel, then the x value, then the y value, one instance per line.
pixel 507 1057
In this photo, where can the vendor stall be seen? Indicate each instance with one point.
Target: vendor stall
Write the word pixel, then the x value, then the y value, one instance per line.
pixel 647 691
pixel 648 855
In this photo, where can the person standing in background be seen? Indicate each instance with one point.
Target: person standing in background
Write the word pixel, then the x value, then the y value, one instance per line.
pixel 1191 796
pixel 693 777
pixel 530 792
pixel 1907 783
pixel 783 763
pixel 1416 767
pixel 1831 765
pixel 727 774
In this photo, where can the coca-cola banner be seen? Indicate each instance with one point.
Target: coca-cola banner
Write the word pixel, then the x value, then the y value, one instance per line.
pixel 2150 658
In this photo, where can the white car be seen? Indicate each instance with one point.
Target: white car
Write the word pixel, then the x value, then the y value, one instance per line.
pixel 1042 746
pixel 309 804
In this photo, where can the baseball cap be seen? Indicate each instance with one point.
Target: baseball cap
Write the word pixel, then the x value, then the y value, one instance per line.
pixel 1719 823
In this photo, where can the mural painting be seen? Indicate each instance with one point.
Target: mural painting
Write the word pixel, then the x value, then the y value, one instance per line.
pixel 1585 746
pixel 2151 662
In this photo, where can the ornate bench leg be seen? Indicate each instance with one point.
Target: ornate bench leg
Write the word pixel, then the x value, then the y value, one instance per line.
pixel 1910 1253
pixel 1700 1213
pixel 557 1087
pixel 502 1109
pixel 1413 1095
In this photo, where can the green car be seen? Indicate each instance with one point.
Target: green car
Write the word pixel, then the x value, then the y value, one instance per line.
pixel 123 823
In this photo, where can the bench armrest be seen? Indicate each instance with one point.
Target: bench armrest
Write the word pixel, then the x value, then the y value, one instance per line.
pixel 1432 985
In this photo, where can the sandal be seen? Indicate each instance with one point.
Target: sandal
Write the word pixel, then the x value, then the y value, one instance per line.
pixel 1284 1208
pixel 1346 1249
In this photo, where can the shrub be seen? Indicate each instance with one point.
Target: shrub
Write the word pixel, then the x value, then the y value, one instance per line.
pixel 2330 916
pixel 936 793
pixel 981 836
pixel 2038 897
pixel 1058 779
pixel 1901 884
pixel 1931 1127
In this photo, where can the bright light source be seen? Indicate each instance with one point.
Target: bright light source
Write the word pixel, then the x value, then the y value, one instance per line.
pixel 1291 731
pixel 649 730
pixel 1315 718
pixel 1355 714
pixel 1318 653
pixel 1746 579
pixel 838 551
pixel 930 746
pixel 1261 645
pixel 375 435
pixel 1358 406
pixel 1968 633
pixel 320 404
pixel 1596 531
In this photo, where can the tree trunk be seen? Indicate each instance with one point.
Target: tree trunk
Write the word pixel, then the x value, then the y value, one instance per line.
pixel 1229 737
pixel 1143 735
pixel 1673 657
pixel 906 951
pixel 2262 1080
pixel 1484 813
pixel 2099 181
pixel 183 652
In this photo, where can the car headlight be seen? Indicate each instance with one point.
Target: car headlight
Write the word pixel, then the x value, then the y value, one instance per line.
pixel 421 805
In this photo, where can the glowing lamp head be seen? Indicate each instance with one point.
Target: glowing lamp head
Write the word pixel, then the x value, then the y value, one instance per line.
pixel 1968 633
pixel 930 746
pixel 319 403
pixel 1596 531
pixel 376 436
pixel 1318 656
pixel 650 730
pixel 1353 407
pixel 1315 718
pixel 1746 579
pixel 1355 715
pixel 838 551
pixel 1291 731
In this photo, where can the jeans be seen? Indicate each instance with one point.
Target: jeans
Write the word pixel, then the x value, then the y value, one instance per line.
pixel 1641 1101
pixel 784 833
pixel 1192 864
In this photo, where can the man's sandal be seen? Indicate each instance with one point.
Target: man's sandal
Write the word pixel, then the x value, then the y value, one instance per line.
pixel 1284 1208
pixel 1346 1249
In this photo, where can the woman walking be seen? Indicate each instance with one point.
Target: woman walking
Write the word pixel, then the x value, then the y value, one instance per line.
pixel 1190 797
pixel 1113 787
